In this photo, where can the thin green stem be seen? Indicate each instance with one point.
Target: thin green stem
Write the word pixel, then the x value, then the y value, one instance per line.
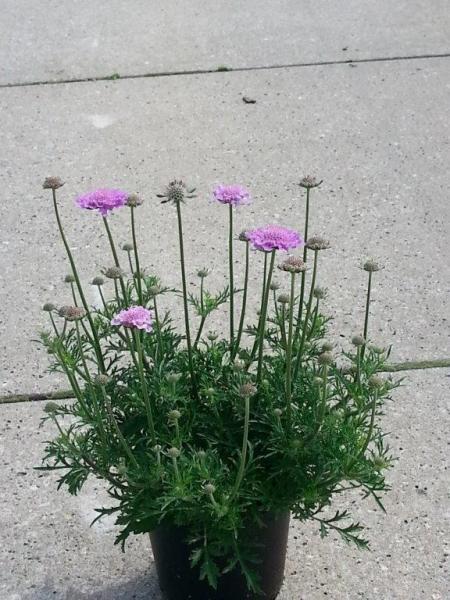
pixel 116 259
pixel 185 300
pixel 119 433
pixel 289 354
pixel 74 296
pixel 231 269
pixel 282 320
pixel 262 329
pixel 136 257
pixel 255 343
pixel 308 312
pixel 96 341
pixel 371 424
pixel 305 256
pixel 144 386
pixel 240 474
pixel 366 318
pixel 102 298
pixel 314 319
pixel 244 299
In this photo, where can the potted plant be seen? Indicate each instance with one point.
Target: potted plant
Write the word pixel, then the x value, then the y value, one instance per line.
pixel 211 443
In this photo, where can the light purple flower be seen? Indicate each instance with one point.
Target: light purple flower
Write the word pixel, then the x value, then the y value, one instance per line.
pixel 274 237
pixel 135 317
pixel 102 200
pixel 231 194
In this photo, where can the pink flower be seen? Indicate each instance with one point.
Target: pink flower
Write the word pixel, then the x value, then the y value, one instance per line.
pixel 231 194
pixel 274 237
pixel 102 200
pixel 135 317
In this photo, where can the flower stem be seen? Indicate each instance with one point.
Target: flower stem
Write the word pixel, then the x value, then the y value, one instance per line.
pixel 366 318
pixel 244 299
pixel 255 343
pixel 230 259
pixel 262 328
pixel 371 424
pixel 308 312
pixel 96 344
pixel 185 300
pixel 305 256
pixel 116 259
pixel 144 386
pixel 289 354
pixel 240 474
pixel 136 257
pixel 117 428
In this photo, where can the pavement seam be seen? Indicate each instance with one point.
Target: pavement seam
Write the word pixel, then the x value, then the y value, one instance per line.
pixel 118 77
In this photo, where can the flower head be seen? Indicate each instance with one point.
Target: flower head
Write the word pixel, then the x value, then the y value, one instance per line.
pixel 52 183
pixel 72 313
pixel 104 200
pixel 136 317
pixel 113 272
pixel 69 278
pixel 274 237
pixel 247 390
pixel 293 265
pixel 371 266
pixel 309 182
pixel 98 281
pixel 134 200
pixel 231 194
pixel 176 192
pixel 242 237
pixel 49 307
pixel 316 242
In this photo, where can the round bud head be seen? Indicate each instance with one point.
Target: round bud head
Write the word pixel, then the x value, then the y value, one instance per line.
pixel 297 444
pixel 375 382
pixel 209 488
pixel 309 182
pixel 326 358
pixel 210 392
pixel 293 264
pixel 327 347
pixel 49 307
pixel 238 365
pixel 317 243
pixel 242 237
pixel 69 278
pixel 320 293
pixel 74 313
pixel 122 468
pixel 277 412
pixel 202 273
pixel 52 183
pixel 371 266
pixel 176 192
pixel 201 454
pixel 62 311
pixel 142 273
pixel 274 286
pixel 134 200
pixel 358 340
pixel 377 349
pixel 154 290
pixel 283 299
pixel 101 379
pixel 127 247
pixel 247 390
pixel 98 281
pixel 173 377
pixel 157 448
pixel 173 452
pixel 113 272
pixel 51 408
pixel 174 415
pixel 212 336
pixel 318 381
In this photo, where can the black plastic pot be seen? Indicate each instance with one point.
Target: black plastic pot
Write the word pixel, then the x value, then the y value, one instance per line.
pixel 179 582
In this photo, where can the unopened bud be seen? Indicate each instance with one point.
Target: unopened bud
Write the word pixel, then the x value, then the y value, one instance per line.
pixel 283 299
pixel 173 377
pixel 173 452
pixel 127 247
pixel 327 347
pixel 49 307
pixel 209 488
pixel 202 273
pixel 274 286
pixel 277 412
pixel 320 293
pixel 371 266
pixel 375 382
pixel 98 281
pixel 326 358
pixel 154 290
pixel 358 340
pixel 134 200
pixel 51 408
pixel 69 278
pixel 52 183
pixel 212 336
pixel 247 390
pixel 174 415
pixel 101 379
pixel 317 243
pixel 113 272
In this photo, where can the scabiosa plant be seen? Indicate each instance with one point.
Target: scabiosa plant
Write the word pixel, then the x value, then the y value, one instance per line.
pixel 213 436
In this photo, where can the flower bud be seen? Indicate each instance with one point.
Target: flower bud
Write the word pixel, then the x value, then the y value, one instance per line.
pixel 247 390
pixel 51 408
pixel 358 340
pixel 98 281
pixel 157 448
pixel 201 454
pixel 173 377
pixel 274 286
pixel 154 290
pixel 52 183
pixel 212 336
pixel 293 264
pixel 74 313
pixel 238 365
pixel 174 415
pixel 134 200
pixel 327 347
pixel 375 382
pixel 173 452
pixel 326 358
pixel 318 381
pixel 320 293
pixel 69 278
pixel 209 488
pixel 202 273
pixel 283 299
pixel 371 266
pixel 277 412
pixel 101 379
pixel 113 272
pixel 49 307
pixel 317 242
pixel 309 182
pixel 242 237
pixel 127 247
pixel 376 349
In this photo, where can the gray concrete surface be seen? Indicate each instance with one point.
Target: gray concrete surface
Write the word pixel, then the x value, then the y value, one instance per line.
pixel 50 40
pixel 377 133
pixel 49 551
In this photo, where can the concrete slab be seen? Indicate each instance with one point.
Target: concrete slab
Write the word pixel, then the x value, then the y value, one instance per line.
pixel 50 40
pixel 377 133
pixel 49 551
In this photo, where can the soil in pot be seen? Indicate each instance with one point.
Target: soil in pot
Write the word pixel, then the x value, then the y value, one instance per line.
pixel 179 582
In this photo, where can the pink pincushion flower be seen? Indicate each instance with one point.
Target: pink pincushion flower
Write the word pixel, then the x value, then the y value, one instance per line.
pixel 135 317
pixel 274 237
pixel 102 200
pixel 231 194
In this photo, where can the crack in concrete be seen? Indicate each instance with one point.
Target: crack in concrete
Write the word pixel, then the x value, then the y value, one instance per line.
pixel 117 77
